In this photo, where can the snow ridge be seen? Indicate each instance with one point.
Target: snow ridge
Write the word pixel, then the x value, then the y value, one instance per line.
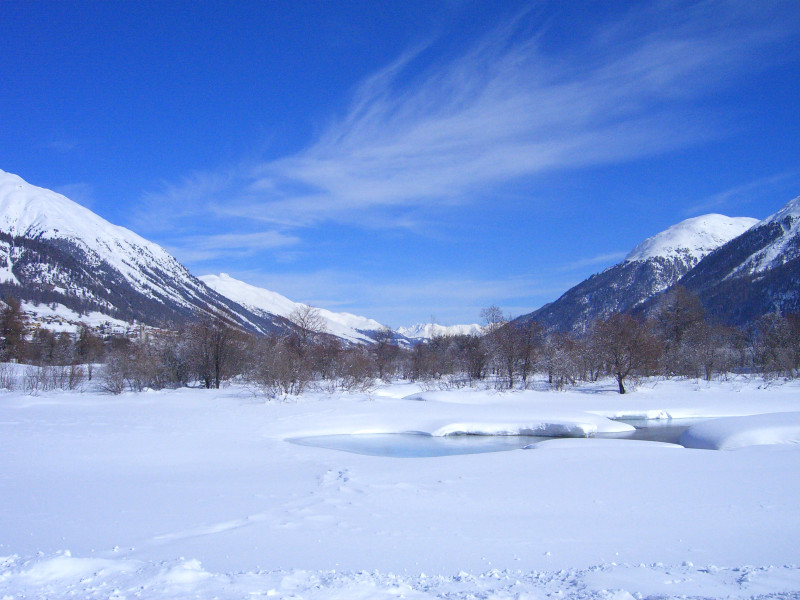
pixel 34 212
pixel 266 302
pixel 61 247
pixel 692 239
pixel 650 268
pixel 782 249
pixel 38 213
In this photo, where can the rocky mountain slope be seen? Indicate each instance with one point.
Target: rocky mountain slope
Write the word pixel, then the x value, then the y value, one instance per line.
pixel 756 273
pixel 651 267
pixel 56 252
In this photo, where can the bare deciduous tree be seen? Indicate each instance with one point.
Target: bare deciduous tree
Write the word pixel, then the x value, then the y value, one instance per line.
pixel 774 346
pixel 531 341
pixel 309 324
pixel 678 313
pixel 385 353
pixel 627 346
pixel 558 359
pixel 214 346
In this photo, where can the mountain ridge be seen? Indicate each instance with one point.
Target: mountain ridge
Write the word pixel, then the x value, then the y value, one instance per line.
pixel 263 301
pixel 54 250
pixel 427 331
pixel 756 273
pixel 651 267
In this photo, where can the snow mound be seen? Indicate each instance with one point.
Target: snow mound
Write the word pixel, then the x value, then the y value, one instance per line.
pixel 739 432
pixel 64 567
pixel 508 416
pixel 693 238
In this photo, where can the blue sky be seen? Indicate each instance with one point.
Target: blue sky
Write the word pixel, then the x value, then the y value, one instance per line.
pixel 404 160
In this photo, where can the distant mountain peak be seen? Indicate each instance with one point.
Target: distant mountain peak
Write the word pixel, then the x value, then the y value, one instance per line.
pixel 692 239
pixel 427 331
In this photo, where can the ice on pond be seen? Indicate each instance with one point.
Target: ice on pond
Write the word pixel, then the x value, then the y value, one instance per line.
pixel 421 445
pixel 416 445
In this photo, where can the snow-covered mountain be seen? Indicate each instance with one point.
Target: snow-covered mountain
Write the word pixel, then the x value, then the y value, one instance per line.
pixel 755 273
pixel 55 251
pixel 691 240
pixel 266 303
pixel 651 267
pixel 427 331
pixel 778 235
pixel 59 254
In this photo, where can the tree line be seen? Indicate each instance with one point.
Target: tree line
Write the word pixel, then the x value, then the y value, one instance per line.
pixel 675 340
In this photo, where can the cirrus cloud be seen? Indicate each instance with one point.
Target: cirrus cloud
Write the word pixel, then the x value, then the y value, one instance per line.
pixel 427 131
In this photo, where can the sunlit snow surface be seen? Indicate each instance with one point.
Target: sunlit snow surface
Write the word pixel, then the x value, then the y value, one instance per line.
pixel 266 302
pixel 782 249
pixel 195 493
pixel 740 432
pixel 693 238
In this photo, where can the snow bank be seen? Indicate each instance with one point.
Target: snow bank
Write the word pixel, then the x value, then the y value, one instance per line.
pixel 739 432
pixel 599 444
pixel 65 567
pixel 562 428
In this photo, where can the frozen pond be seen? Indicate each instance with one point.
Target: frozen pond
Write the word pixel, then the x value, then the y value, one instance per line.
pixel 416 445
pixel 654 430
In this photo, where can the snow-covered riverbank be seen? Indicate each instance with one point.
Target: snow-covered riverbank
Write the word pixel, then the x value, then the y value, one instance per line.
pixel 197 493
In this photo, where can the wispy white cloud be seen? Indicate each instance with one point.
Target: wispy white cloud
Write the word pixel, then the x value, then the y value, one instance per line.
pixel 207 247
pixel 781 186
pixel 398 303
pixel 174 204
pixel 505 108
pixel 63 145
pixel 82 193
pixel 608 258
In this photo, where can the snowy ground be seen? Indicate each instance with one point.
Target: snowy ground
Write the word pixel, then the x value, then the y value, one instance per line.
pixel 195 493
pixel 58 318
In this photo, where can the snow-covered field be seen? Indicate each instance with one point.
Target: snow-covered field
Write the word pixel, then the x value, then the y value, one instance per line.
pixel 195 493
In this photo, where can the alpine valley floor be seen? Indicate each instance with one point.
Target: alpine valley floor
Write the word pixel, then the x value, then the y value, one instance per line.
pixel 196 493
